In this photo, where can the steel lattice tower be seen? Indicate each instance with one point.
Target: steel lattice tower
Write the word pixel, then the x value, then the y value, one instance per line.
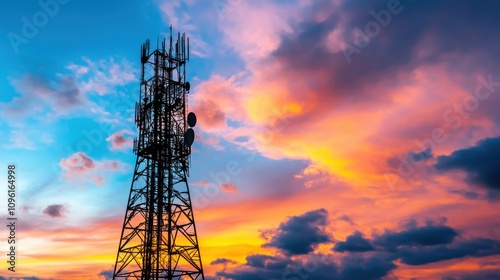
pixel 158 239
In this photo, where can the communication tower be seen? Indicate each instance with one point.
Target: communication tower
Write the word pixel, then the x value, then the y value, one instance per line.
pixel 158 239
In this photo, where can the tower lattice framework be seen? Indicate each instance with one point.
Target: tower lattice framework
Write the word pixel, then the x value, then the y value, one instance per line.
pixel 158 239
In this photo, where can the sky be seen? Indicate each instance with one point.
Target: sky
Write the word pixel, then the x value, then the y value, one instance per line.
pixel 336 139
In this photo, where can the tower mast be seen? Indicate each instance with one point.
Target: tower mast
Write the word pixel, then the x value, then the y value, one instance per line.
pixel 159 239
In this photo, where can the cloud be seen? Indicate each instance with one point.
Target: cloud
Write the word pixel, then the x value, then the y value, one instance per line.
pixel 107 274
pixel 210 114
pixel 177 13
pixel 78 163
pixel 201 183
pixel 401 45
pixel 422 156
pixel 300 89
pixel 48 96
pixel 217 100
pixel 412 157
pixel 119 141
pixel 264 267
pixel 299 234
pixel 360 258
pixel 81 167
pixel 476 247
pixel 259 267
pixel 427 235
pixel 222 261
pixel 228 187
pixel 477 163
pixel 422 245
pixel 39 93
pixel 54 210
pixel 484 274
pixel 19 140
pixel 365 267
pixel 467 194
pixel 103 76
pixel 26 278
pixel 253 28
pixel 347 219
pixel 354 243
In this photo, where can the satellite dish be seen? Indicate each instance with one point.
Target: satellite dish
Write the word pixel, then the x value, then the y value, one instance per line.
pixel 187 86
pixel 191 119
pixel 189 137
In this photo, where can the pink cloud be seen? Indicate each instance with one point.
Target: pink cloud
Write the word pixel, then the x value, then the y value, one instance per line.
pixel 253 28
pixel 228 187
pixel 78 163
pixel 210 114
pixel 80 167
pixel 217 100
pixel 98 180
pixel 119 141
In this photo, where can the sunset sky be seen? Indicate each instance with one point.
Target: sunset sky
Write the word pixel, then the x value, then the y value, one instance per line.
pixel 336 139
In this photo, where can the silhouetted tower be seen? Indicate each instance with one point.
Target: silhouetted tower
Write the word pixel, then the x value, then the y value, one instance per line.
pixel 158 239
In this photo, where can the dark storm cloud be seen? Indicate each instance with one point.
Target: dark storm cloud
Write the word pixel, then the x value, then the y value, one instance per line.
pixel 427 235
pixel 479 162
pixel 259 267
pixel 477 247
pixel 354 243
pixel 315 267
pixel 263 261
pixel 361 258
pixel 299 234
pixel 359 267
